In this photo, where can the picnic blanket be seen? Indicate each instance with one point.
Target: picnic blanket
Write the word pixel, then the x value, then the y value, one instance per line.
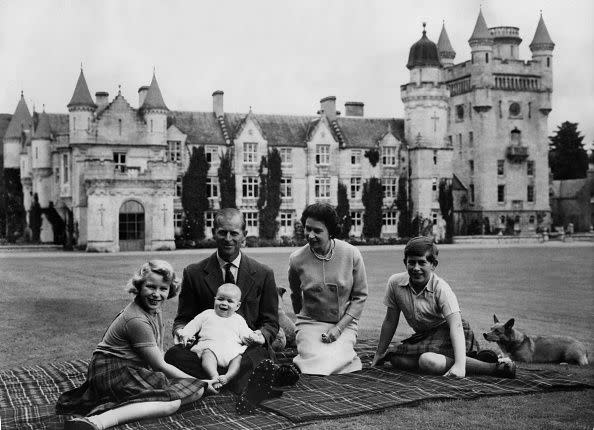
pixel 28 395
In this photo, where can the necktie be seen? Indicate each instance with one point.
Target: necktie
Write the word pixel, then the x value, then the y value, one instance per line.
pixel 229 279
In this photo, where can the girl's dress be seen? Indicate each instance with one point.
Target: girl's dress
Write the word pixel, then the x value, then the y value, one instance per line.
pixel 117 375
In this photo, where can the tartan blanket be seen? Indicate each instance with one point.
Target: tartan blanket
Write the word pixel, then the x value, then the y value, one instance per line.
pixel 28 395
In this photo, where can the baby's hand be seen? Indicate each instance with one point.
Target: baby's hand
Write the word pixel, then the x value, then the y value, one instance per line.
pixel 187 341
pixel 256 338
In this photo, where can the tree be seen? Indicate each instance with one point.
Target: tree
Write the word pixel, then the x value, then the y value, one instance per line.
pixel 13 206
pixel 446 206
pixel 194 194
pixel 227 180
pixel 35 219
pixel 372 198
pixel 269 200
pixel 567 157
pixel 343 211
pixel 404 227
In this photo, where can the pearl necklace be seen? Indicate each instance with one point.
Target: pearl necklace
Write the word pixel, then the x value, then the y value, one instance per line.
pixel 328 256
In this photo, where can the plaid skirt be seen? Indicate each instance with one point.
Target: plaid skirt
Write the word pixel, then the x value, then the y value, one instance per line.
pixel 113 382
pixel 436 340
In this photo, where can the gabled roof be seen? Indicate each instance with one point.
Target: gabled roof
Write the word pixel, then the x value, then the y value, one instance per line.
pixel 81 96
pixel 21 120
pixel 542 39
pixel 367 132
pixel 154 98
pixel 43 131
pixel 200 127
pixel 278 130
pixel 444 47
pixel 481 31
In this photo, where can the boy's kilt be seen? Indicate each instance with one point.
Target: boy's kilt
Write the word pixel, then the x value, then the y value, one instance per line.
pixel 436 340
pixel 113 382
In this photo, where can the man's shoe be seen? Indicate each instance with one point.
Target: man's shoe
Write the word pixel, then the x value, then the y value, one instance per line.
pixel 286 375
pixel 259 387
pixel 505 369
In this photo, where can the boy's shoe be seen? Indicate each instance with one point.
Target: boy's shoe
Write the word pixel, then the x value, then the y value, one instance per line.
pixel 259 387
pixel 505 369
pixel 487 355
pixel 79 424
pixel 286 375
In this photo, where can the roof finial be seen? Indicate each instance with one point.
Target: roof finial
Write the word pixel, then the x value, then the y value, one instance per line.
pixel 43 107
pixel 541 13
pixel 22 95
pixel 424 31
pixel 81 66
pixel 153 70
pixel 119 89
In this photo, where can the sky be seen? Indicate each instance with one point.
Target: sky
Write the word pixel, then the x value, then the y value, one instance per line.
pixel 271 56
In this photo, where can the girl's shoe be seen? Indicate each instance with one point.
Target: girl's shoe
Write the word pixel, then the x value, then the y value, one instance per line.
pixel 79 424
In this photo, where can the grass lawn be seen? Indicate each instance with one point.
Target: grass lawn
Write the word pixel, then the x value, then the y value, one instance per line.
pixel 55 307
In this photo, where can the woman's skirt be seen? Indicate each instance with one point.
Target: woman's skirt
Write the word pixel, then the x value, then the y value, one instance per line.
pixel 113 382
pixel 436 340
pixel 315 357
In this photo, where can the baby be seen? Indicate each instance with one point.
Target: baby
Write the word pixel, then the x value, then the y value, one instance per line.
pixel 223 335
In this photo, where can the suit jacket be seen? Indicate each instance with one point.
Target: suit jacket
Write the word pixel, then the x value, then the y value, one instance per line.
pixel 259 298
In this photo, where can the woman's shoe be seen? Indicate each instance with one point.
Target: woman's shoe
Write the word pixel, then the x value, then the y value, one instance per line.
pixel 79 424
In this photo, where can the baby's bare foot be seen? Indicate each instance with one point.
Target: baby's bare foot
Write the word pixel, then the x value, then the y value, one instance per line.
pixel 223 379
pixel 212 388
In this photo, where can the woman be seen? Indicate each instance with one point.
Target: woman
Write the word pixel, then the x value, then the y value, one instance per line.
pixel 328 291
pixel 128 379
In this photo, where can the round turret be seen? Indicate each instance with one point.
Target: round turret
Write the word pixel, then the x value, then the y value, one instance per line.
pixel 423 53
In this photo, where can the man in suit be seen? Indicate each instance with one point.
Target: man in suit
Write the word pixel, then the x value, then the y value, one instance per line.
pixel 259 307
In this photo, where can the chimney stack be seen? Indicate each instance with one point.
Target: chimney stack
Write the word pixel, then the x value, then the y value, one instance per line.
pixel 353 109
pixel 217 103
pixel 328 107
pixel 142 95
pixel 101 99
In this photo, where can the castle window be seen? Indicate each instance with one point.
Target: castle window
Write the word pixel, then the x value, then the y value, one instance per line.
pixel 389 187
pixel 471 167
pixel 209 217
pixel 119 126
pixel 530 167
pixel 355 188
pixel 173 152
pixel 460 142
pixel 178 186
pixel 486 57
pixel 286 188
pixel 250 153
pixel 212 187
pixel 73 123
pixel 178 217
pixel 211 153
pixel 356 221
pixel 389 156
pixel 470 138
pixel 530 193
pixel 460 112
pixel 251 220
pixel 322 187
pixel 322 155
pixel 119 158
pixel 529 109
pixel 471 194
pixel 434 188
pixel 500 167
pixel 286 155
pixel 355 157
pixel 548 61
pixel 151 125
pixel 514 109
pixel 65 168
pixel 286 222
pixel 389 218
pixel 500 193
pixel 531 219
pixel 249 186
pixel 500 110
pixel 434 157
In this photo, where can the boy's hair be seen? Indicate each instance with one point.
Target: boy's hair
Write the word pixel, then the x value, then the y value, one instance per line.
pixel 233 287
pixel 420 246
pixel 159 267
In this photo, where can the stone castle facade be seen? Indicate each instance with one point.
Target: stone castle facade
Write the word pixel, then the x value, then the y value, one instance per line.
pixel 114 171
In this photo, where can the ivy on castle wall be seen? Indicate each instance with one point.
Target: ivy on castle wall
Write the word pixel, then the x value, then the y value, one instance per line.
pixel 373 156
pixel 14 210
pixel 269 200
pixel 372 198
pixel 194 195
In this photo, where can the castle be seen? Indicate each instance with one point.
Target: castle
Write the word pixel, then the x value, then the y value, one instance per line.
pixel 114 171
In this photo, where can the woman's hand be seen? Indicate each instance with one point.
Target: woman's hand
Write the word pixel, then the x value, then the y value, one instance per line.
pixel 457 371
pixel 378 359
pixel 331 335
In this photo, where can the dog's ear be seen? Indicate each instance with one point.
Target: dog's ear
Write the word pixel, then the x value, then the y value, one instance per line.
pixel 495 319
pixel 508 325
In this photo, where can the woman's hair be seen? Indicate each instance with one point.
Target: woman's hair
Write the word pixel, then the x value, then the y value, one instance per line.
pixel 159 267
pixel 420 246
pixel 322 212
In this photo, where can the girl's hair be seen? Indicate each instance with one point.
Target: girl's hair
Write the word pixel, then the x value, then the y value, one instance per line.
pixel 322 212
pixel 420 246
pixel 159 267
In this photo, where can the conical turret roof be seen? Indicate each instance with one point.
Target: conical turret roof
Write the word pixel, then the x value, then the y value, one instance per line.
pixel 82 95
pixel 481 31
pixel 423 53
pixel 542 39
pixel 21 120
pixel 444 47
pixel 43 130
pixel 153 99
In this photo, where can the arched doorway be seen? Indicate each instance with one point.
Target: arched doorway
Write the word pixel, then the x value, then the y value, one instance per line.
pixel 131 226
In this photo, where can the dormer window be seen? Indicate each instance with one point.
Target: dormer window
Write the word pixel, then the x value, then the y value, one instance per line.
pixel 389 156
pixel 250 152
pixel 322 154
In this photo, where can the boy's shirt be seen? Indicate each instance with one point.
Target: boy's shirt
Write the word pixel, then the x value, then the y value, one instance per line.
pixel 425 310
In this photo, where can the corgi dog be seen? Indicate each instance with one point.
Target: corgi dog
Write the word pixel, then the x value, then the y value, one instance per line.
pixel 536 349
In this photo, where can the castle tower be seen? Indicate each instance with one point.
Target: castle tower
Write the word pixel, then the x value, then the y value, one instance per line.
pixel 81 108
pixel 20 124
pixel 542 51
pixel 155 114
pixel 444 49
pixel 425 100
pixel 41 160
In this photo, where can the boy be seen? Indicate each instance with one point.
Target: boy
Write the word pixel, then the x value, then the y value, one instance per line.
pixel 442 340
pixel 222 335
